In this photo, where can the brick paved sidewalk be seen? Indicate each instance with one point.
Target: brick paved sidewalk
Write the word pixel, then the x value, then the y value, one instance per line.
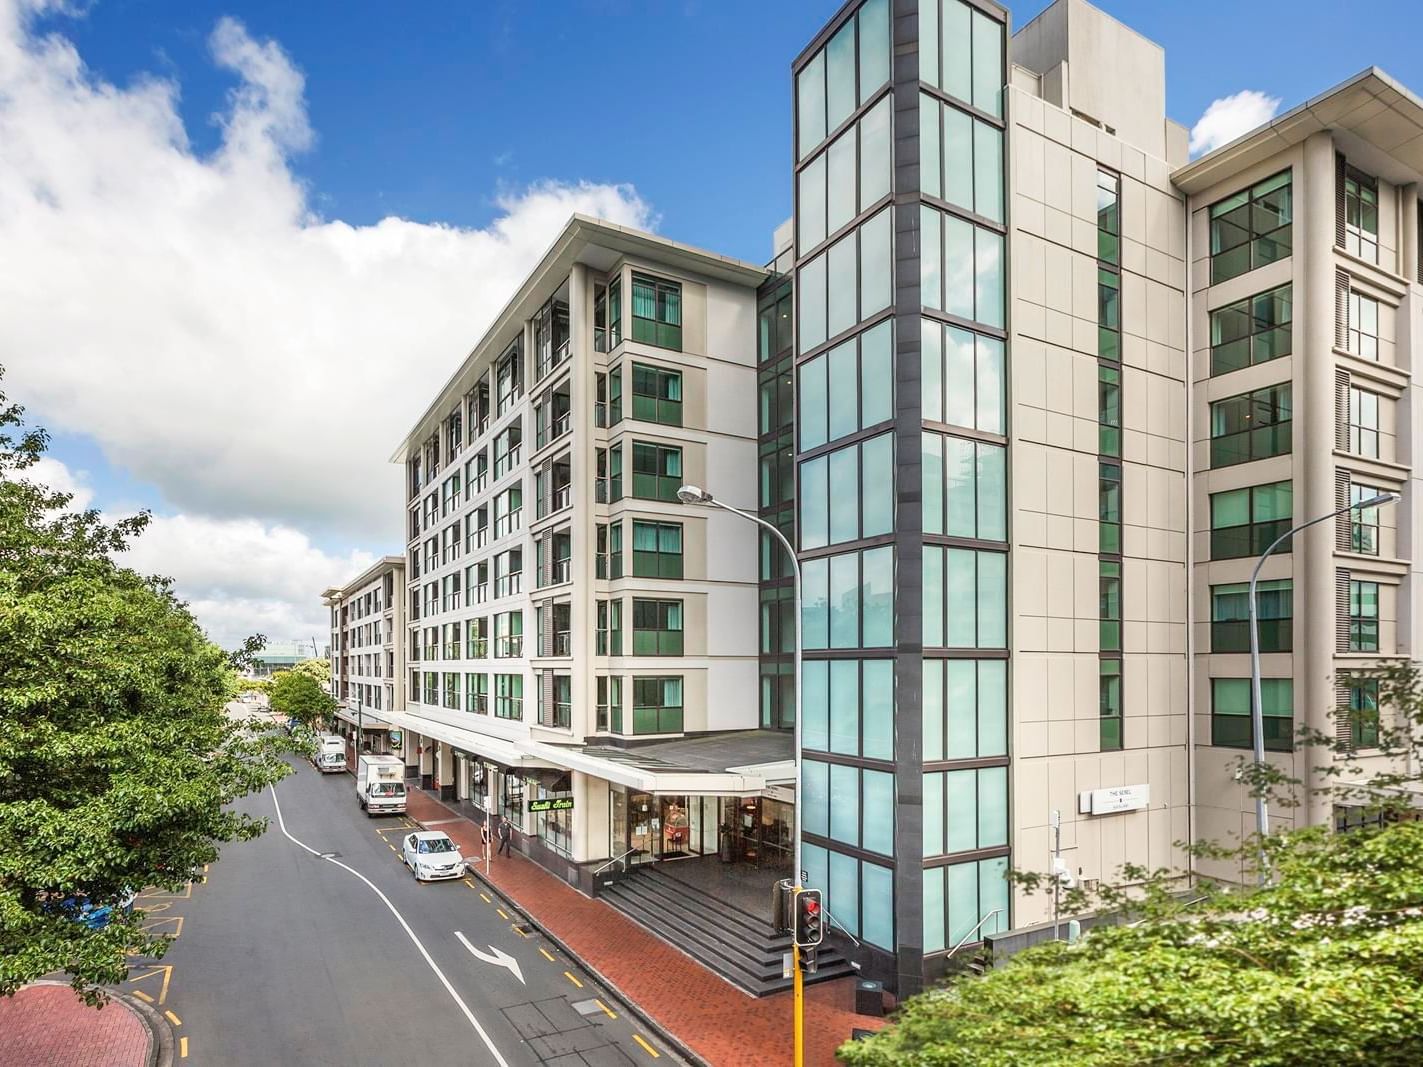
pixel 46 1025
pixel 715 1020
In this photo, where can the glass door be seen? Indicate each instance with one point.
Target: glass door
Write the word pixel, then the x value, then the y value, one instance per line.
pixel 643 827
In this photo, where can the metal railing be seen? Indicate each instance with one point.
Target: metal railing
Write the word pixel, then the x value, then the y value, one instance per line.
pixel 616 859
pixel 976 927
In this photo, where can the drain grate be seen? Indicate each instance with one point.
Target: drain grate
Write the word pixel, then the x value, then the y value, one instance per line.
pixel 526 929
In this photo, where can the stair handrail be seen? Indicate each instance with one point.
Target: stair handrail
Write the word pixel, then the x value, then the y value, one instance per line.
pixel 616 859
pixel 977 926
pixel 852 937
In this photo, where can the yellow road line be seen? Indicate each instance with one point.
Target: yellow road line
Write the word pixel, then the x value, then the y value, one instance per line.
pixel 545 951
pixel 142 995
pixel 518 931
pixel 469 883
pixel 575 981
pixel 176 920
pixel 173 1018
pixel 606 1010
pixel 182 1048
pixel 646 1047
pixel 487 898
pixel 502 913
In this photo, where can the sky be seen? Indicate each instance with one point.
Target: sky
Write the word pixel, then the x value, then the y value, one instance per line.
pixel 244 241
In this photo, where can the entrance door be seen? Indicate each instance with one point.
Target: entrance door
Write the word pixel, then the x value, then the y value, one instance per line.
pixel 676 827
pixel 644 824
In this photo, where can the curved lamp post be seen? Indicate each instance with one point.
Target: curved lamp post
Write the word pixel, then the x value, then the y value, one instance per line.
pixel 1257 712
pixel 691 494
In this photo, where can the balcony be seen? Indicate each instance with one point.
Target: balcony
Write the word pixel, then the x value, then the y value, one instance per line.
pixel 562 571
pixel 509 646
pixel 509 585
pixel 477 703
pixel 563 643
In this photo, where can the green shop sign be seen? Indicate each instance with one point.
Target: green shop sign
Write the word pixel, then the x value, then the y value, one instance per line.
pixel 553 804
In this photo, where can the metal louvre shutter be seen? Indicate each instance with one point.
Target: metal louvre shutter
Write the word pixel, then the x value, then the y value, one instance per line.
pixel 1341 309
pixel 546 558
pixel 1343 728
pixel 546 630
pixel 1339 167
pixel 547 714
pixel 1343 524
pixel 1341 610
pixel 1341 410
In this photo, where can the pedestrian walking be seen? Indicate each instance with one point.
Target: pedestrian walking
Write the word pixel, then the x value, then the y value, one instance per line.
pixel 506 833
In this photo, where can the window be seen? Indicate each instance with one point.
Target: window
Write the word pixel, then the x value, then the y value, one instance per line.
pixel 848 600
pixel 508 381
pixel 1362 709
pixel 508 511
pixel 842 75
pixel 961 267
pixel 656 471
pixel 615 473
pixel 1251 426
pixel 1230 616
pixel 1363 423
pixel 965 485
pixel 965 810
pixel 610 551
pixel 656 627
pixel 846 389
pixel 1364 522
pixel 1110 607
pixel 961 52
pixel 848 494
pixel 965 708
pixel 506 448
pixel 833 188
pixel 961 158
pixel 853 805
pixel 1361 215
pixel 609 638
pixel 965 598
pixel 962 378
pixel 615 395
pixel 508 573
pixel 610 703
pixel 1245 522
pixel 1109 707
pixel 963 897
pixel 452 690
pixel 656 549
pixel 1363 325
pixel 1230 713
pixel 848 283
pixel 774 333
pixel 656 394
pixel 1109 216
pixel 1363 616
pixel 858 893
pixel 657 312
pixel 509 696
pixel 1109 508
pixel 657 705
pixel 849 707
pixel 1251 228
pixel 508 635
pixel 1109 315
pixel 1254 330
pixel 477 638
pixel 1109 411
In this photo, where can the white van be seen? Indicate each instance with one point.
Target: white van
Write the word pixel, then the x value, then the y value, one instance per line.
pixel 330 753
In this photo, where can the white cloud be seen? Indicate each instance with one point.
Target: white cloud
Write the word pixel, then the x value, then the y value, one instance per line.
pixel 54 475
pixel 195 315
pixel 1231 116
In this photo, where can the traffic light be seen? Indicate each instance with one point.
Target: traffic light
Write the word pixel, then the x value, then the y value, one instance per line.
pixel 809 918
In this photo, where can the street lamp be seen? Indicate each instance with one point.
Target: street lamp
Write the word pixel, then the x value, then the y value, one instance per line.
pixel 691 494
pixel 1257 711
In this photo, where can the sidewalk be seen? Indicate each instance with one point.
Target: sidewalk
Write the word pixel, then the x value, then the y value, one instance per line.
pixel 47 1025
pixel 716 1021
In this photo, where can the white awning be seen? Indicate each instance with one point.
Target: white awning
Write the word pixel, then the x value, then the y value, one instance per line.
pixel 499 749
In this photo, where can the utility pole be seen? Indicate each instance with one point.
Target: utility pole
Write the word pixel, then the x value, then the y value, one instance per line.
pixel 1056 868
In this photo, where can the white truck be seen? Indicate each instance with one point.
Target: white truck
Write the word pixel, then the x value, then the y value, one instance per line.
pixel 380 784
pixel 330 754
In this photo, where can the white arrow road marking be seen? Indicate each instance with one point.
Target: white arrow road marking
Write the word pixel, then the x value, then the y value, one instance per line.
pixel 499 1059
pixel 498 957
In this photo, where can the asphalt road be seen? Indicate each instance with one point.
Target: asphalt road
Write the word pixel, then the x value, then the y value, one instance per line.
pixel 283 956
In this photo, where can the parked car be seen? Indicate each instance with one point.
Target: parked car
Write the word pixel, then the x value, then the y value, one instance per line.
pixel 84 911
pixel 431 855
pixel 329 753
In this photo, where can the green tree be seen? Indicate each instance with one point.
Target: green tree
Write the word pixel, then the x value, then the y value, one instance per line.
pixel 117 760
pixel 319 670
pixel 297 695
pixel 1323 965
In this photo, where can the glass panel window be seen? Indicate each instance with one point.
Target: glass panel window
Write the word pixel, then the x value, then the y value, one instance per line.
pixel 972 810
pixel 1110 606
pixel 1251 426
pixel 962 378
pixel 848 706
pixel 1363 325
pixel 1230 713
pixel 657 312
pixel 962 898
pixel 848 493
pixel 657 705
pixel 656 394
pixel 1364 522
pixel 961 158
pixel 1361 215
pixel 846 389
pixel 509 696
pixel 1109 411
pixel 1109 216
pixel 1362 710
pixel 961 52
pixel 1109 318
pixel 849 599
pixel 965 277
pixel 964 488
pixel 1109 508
pixel 656 549
pixel 965 709
pixel 1363 422
pixel 656 627
pixel 1245 522
pixel 656 471
pixel 1363 616
pixel 1230 616
pixel 1254 330
pixel 846 73
pixel 1251 228
pixel 1109 707
pixel 965 598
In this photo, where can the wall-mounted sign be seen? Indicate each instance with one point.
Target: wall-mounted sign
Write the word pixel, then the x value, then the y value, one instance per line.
pixel 552 804
pixel 1118 798
pixel 395 740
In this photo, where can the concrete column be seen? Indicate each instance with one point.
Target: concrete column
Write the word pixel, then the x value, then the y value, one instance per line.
pixel 582 528
pixel 1314 435
pixel 590 818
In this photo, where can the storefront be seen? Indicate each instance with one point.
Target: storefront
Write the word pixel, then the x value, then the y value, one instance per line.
pixel 651 828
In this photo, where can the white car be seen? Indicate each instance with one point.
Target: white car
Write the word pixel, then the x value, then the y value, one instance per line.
pixel 431 855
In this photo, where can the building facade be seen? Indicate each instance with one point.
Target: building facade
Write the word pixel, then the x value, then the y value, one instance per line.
pixel 1019 384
